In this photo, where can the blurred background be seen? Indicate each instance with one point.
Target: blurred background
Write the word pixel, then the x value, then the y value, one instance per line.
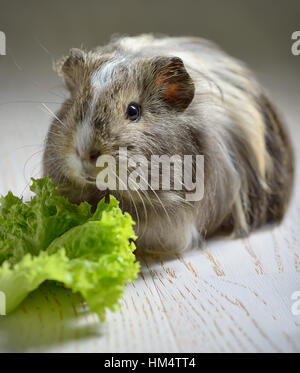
pixel 37 32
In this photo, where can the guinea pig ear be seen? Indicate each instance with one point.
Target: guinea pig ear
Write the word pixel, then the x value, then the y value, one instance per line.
pixel 70 68
pixel 175 85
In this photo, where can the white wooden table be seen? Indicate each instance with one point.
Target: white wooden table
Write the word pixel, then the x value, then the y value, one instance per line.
pixel 230 296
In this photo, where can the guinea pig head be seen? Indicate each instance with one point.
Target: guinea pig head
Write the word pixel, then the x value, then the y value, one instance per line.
pixel 140 104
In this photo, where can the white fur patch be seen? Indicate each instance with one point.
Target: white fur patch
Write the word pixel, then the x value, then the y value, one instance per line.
pixel 103 75
pixel 99 80
pixel 74 164
pixel 135 44
pixel 83 135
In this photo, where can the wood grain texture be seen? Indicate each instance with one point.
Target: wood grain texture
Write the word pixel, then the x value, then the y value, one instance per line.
pixel 229 296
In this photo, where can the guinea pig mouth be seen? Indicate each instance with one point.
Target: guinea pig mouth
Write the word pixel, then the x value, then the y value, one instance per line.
pixel 89 179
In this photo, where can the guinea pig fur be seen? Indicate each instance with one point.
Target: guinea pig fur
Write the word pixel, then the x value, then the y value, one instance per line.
pixel 193 99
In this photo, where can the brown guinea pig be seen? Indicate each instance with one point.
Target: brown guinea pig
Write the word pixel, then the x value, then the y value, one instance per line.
pixel 172 96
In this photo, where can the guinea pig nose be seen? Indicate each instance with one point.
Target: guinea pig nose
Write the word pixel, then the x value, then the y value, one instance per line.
pixel 94 154
pixel 90 156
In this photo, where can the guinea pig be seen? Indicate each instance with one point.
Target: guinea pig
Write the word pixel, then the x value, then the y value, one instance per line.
pixel 172 96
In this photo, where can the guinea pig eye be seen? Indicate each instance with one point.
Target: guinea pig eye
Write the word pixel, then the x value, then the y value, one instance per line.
pixel 134 111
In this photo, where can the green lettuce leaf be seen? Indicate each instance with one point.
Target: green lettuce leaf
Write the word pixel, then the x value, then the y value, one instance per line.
pixel 29 227
pixel 48 238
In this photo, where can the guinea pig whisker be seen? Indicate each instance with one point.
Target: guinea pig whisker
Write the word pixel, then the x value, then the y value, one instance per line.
pixel 146 194
pixel 56 168
pixel 132 199
pixel 82 190
pixel 149 200
pixel 29 102
pixel 144 207
pixel 51 113
pixel 178 181
pixel 61 176
pixel 28 159
pixel 29 146
pixel 33 174
pixel 159 200
pixel 28 183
